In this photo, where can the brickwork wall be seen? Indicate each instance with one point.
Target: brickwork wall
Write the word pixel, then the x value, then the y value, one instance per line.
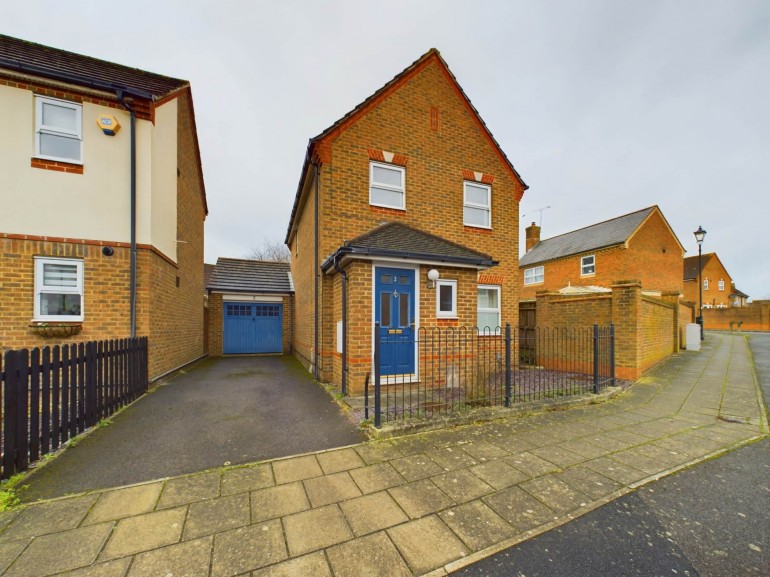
pixel 437 162
pixel 753 317
pixel 713 270
pixel 657 331
pixel 653 256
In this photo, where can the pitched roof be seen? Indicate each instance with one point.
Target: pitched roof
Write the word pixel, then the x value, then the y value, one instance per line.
pixel 240 275
pixel 348 119
pixel 601 235
pixel 208 270
pixel 691 265
pixel 738 293
pixel 39 60
pixel 397 240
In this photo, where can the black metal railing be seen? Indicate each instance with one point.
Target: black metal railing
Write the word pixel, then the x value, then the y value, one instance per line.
pixel 49 395
pixel 456 369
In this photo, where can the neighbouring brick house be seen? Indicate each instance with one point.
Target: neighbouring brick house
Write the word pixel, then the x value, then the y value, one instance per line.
pixel 408 182
pixel 717 283
pixel 250 307
pixel 639 246
pixel 66 227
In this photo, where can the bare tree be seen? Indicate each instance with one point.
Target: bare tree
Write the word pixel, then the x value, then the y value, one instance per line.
pixel 270 250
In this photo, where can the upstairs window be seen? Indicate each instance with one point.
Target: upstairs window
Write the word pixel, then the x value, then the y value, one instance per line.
pixel 587 265
pixel 386 186
pixel 534 275
pixel 58 289
pixel 705 284
pixel 721 285
pixel 477 205
pixel 58 130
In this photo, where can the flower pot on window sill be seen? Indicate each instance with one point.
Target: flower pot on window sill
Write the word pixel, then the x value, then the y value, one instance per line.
pixel 56 330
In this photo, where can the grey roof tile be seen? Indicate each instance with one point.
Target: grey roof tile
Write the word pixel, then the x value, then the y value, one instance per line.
pixel 691 265
pixel 240 275
pixel 604 234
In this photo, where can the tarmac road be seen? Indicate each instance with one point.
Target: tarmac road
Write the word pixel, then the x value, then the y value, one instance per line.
pixel 709 521
pixel 229 410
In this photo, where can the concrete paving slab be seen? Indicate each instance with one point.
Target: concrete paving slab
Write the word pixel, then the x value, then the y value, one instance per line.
pixel 462 485
pixel 331 489
pixel 370 556
pixel 557 455
pixel 217 515
pixel 450 458
pixel 144 533
pixel 114 568
pixel 188 559
pixel 498 474
pixel 417 466
pixel 185 490
pixel 9 551
pixel 245 549
pixel 247 479
pixel 588 481
pixel 531 465
pixel 127 502
pixel 477 525
pixel 420 498
pixel 339 460
pixel 372 513
pixel 73 549
pixel 618 472
pixel 484 451
pixel 296 469
pixel 275 502
pixel 378 451
pixel 376 477
pixel 584 448
pixel 313 565
pixel 637 460
pixel 427 544
pixel 555 494
pixel 315 529
pixel 48 517
pixel 519 509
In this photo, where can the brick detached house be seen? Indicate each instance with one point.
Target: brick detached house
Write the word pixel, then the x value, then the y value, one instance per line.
pixel 638 246
pixel 410 181
pixel 250 307
pixel 717 283
pixel 103 205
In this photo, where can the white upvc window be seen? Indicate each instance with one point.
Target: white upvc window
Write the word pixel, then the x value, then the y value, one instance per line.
pixel 488 307
pixel 58 130
pixel 588 265
pixel 58 289
pixel 446 299
pixel 705 284
pixel 477 205
pixel 534 275
pixel 386 186
pixel 721 284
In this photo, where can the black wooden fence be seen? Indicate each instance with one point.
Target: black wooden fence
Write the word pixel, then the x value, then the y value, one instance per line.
pixel 457 369
pixel 49 395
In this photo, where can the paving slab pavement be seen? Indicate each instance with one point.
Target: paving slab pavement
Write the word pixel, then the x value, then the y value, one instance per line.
pixel 420 505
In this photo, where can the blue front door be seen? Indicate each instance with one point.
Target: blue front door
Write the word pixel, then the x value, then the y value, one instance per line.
pixel 394 309
pixel 252 328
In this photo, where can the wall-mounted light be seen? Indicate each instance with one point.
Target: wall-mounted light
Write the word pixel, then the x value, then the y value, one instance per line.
pixel 432 278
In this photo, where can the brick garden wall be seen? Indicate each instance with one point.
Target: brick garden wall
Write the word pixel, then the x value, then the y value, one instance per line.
pixel 754 317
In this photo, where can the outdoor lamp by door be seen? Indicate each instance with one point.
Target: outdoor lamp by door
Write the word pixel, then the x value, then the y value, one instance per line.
pixel 700 234
pixel 432 278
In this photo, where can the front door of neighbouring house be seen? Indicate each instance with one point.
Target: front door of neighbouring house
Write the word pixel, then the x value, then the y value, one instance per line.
pixel 394 293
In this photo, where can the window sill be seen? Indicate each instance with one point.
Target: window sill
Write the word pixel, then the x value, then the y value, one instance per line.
pixel 587 275
pixel 57 165
pixel 56 329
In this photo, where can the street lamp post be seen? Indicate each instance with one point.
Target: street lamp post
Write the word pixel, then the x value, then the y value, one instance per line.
pixel 700 234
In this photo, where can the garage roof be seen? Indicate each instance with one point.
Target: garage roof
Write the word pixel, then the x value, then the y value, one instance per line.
pixel 251 276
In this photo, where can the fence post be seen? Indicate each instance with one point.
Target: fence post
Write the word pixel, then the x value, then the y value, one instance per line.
pixel 508 364
pixel 596 358
pixel 10 415
pixel 612 353
pixel 377 352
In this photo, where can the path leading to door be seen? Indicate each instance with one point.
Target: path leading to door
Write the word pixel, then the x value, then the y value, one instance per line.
pixel 229 410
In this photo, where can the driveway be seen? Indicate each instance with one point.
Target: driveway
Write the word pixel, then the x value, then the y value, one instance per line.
pixel 222 411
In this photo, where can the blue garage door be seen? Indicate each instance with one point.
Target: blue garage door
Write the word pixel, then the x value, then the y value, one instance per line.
pixel 252 328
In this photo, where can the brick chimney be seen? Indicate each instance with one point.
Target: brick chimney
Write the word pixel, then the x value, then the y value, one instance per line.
pixel 533 236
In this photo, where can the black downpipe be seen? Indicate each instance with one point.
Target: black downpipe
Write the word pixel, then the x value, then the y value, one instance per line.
pixel 132 280
pixel 317 271
pixel 344 274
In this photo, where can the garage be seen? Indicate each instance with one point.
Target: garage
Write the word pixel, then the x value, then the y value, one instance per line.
pixel 252 328
pixel 249 307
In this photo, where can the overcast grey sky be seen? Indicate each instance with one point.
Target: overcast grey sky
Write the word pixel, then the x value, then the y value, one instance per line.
pixel 603 106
